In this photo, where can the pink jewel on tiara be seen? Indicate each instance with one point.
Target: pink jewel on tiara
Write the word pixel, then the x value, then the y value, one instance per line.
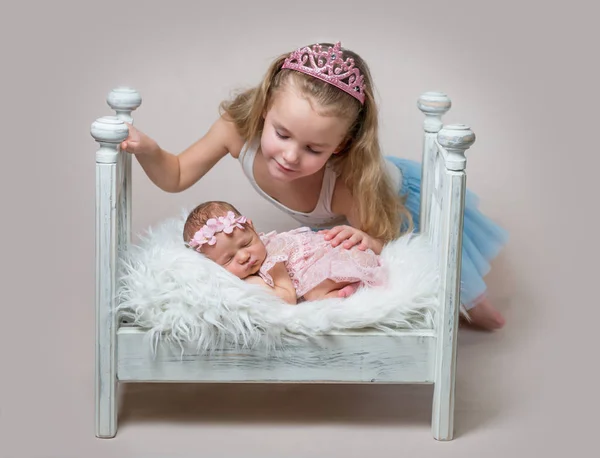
pixel 206 234
pixel 328 66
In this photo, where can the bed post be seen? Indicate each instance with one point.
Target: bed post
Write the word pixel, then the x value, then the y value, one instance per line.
pixel 113 233
pixel 453 141
pixel 433 105
pixel 124 100
pixel 108 131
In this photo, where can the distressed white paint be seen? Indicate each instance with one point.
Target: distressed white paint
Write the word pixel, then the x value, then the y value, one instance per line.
pixel 433 105
pixel 346 357
pixel 403 357
pixel 108 132
pixel 447 191
pixel 113 232
pixel 124 101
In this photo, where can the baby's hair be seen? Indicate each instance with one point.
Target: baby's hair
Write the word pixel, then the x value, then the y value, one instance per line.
pixel 202 213
pixel 359 163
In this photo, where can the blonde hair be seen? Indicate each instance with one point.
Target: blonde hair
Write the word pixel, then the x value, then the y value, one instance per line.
pixel 381 212
pixel 202 213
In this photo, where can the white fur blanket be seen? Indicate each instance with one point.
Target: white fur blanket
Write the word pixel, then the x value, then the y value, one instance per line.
pixel 181 296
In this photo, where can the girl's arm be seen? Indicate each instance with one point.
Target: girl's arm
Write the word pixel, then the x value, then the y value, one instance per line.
pixel 175 173
pixel 343 203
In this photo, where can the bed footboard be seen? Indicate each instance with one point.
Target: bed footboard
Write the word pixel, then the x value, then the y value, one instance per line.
pixel 442 216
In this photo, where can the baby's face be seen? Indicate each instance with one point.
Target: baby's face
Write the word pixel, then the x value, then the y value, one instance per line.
pixel 241 252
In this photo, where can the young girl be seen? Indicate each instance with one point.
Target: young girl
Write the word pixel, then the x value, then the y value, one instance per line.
pixel 299 264
pixel 307 139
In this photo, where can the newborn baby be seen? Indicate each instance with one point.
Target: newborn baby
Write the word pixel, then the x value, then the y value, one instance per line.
pixel 295 265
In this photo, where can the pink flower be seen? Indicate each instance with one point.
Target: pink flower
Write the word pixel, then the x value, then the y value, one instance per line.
pixel 230 222
pixel 206 234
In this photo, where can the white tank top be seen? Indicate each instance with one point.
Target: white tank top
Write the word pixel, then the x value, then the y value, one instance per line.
pixel 321 217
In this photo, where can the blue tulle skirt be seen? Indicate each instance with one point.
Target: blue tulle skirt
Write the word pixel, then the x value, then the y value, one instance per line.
pixel 482 238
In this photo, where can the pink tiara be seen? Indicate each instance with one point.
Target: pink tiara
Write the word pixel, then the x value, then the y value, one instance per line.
pixel 206 234
pixel 330 67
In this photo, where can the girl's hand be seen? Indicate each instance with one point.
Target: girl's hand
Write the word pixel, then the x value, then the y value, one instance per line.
pixel 137 142
pixel 349 237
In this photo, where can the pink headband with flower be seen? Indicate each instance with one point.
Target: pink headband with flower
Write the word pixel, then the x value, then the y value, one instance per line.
pixel 206 234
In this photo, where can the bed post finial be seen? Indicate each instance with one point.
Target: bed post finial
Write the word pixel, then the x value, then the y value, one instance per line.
pixel 434 105
pixel 109 132
pixel 456 139
pixel 124 100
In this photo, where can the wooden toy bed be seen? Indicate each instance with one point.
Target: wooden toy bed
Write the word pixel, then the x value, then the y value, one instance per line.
pixel 406 356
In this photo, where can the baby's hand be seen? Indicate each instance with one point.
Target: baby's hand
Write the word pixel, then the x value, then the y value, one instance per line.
pixel 350 237
pixel 137 142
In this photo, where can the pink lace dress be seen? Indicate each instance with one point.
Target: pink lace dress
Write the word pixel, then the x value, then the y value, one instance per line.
pixel 310 260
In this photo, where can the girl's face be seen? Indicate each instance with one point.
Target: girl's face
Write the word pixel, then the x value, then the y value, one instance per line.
pixel 241 252
pixel 297 141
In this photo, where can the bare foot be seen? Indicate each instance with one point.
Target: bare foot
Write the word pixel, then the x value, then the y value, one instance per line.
pixel 485 316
